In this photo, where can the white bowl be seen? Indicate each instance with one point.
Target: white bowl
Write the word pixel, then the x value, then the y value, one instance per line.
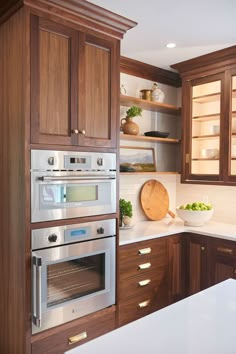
pixel 194 217
pixel 209 153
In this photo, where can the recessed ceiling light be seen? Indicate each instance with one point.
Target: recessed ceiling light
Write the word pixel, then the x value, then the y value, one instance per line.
pixel 171 45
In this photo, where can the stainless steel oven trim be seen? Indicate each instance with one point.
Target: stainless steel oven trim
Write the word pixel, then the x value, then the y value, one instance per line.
pixel 39 237
pixel 82 306
pixel 106 207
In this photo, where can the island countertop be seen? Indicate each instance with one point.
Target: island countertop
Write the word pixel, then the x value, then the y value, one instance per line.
pixel 145 230
pixel 202 323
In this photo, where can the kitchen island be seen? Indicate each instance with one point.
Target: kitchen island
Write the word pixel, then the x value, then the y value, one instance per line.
pixel 202 323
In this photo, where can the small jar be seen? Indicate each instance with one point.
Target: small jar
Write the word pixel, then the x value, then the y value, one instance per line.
pixel 146 94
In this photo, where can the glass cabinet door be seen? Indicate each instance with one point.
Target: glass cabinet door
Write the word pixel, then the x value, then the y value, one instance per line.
pixel 232 115
pixel 205 127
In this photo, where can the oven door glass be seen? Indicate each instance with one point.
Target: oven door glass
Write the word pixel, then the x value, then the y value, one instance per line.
pixel 69 280
pixel 59 199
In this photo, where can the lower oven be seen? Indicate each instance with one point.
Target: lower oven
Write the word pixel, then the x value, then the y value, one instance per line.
pixel 73 272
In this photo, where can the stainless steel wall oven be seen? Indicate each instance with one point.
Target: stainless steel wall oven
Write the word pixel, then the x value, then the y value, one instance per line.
pixel 72 184
pixel 73 271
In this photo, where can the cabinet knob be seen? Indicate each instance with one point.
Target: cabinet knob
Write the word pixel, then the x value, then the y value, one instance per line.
pixel 82 132
pixel 234 271
pixel 203 248
pixel 75 131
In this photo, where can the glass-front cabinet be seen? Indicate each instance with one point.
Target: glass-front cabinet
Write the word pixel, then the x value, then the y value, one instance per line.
pixel 209 118
pixel 232 114
pixel 206 117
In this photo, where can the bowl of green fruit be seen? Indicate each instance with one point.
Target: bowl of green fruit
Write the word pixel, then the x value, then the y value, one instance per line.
pixel 195 214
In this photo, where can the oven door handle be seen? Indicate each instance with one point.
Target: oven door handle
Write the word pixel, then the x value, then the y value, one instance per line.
pixel 37 290
pixel 74 178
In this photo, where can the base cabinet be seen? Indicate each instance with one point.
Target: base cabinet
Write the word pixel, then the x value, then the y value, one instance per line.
pixel 198 263
pixel 177 267
pixel 63 338
pixel 143 279
pixel 223 260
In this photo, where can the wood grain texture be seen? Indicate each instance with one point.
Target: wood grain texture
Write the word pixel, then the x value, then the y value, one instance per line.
pixel 149 72
pixel 154 200
pixel 14 266
pixel 56 340
pixel 53 82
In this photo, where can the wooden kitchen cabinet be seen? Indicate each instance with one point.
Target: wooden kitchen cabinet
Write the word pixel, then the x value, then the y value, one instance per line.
pixel 66 337
pixel 143 279
pixel 223 260
pixel 209 118
pixel 177 267
pixel 197 249
pixel 74 86
pixel 59 68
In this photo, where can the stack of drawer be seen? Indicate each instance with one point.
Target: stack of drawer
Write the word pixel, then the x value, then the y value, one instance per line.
pixel 143 279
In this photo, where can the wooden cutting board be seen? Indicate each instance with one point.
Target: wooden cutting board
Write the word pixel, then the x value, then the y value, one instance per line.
pixel 154 200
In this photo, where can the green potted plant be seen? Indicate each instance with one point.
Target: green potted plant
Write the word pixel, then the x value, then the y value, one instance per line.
pixel 127 125
pixel 126 212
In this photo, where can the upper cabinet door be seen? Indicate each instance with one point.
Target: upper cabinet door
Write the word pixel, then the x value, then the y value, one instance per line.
pixel 204 122
pixel 98 91
pixel 74 86
pixel 231 75
pixel 53 82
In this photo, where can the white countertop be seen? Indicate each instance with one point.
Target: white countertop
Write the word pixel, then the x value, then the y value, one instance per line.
pixel 145 230
pixel 203 323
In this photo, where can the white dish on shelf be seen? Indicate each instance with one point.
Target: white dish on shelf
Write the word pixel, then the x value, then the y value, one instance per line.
pixel 209 153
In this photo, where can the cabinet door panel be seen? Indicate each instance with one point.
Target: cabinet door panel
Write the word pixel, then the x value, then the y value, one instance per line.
pixel 53 74
pixel 98 77
pixel 223 270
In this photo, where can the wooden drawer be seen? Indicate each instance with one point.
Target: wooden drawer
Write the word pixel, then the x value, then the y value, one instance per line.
pixel 143 282
pixel 141 251
pixel 57 340
pixel 224 248
pixel 141 266
pixel 141 305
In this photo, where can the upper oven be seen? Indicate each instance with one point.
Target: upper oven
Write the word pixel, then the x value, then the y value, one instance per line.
pixel 72 184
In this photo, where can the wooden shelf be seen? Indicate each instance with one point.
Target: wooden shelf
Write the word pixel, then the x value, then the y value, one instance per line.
pixel 211 97
pixel 207 117
pixel 148 139
pixel 207 98
pixel 150 173
pixel 206 159
pixel 202 137
pixel 149 105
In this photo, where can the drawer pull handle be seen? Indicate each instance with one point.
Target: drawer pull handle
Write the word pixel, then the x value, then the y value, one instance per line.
pixel 144 282
pixel 143 304
pixel 144 266
pixel 225 250
pixel 145 251
pixel 77 338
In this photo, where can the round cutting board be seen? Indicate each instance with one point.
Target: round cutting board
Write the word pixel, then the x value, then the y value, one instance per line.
pixel 154 200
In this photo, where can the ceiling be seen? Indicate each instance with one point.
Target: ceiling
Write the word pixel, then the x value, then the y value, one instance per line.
pixel 197 27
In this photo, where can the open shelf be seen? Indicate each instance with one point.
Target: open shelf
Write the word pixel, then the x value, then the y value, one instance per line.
pixel 149 105
pixel 148 139
pixel 206 159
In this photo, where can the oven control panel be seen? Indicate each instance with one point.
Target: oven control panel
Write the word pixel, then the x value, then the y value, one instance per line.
pixel 59 235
